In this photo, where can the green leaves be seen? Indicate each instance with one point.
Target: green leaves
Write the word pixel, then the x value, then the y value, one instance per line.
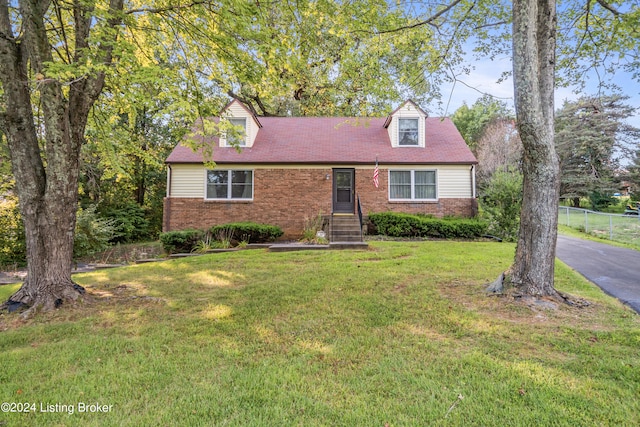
pixel 597 36
pixel 501 201
pixel 473 121
pixel 590 135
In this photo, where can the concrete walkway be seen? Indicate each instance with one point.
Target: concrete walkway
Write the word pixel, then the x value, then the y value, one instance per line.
pixel 616 270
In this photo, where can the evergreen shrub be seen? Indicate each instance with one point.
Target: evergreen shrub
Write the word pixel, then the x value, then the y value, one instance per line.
pixel 249 232
pixel 183 241
pixel 396 224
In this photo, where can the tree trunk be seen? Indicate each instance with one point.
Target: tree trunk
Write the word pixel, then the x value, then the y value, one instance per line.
pixel 47 194
pixel 534 37
pixel 575 202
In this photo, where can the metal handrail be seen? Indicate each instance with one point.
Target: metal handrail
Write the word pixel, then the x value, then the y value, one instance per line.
pixel 360 216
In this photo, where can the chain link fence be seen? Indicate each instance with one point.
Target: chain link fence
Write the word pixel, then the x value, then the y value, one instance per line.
pixel 621 228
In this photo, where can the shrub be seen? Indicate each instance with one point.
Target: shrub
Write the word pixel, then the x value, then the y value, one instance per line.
pixel 249 232
pixel 93 233
pixel 12 240
pixel 600 201
pixel 130 222
pixel 312 226
pixel 500 203
pixel 396 224
pixel 224 236
pixel 183 241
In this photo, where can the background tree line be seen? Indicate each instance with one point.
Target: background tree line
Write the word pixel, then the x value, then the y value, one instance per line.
pixel 599 155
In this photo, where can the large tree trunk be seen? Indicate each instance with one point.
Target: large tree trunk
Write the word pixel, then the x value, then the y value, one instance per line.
pixel 534 39
pixel 46 180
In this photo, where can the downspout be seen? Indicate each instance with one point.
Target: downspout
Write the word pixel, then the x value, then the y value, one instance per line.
pixel 473 191
pixel 167 204
pixel 473 181
pixel 168 180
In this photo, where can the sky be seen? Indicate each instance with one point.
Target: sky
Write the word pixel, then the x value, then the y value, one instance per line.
pixel 483 79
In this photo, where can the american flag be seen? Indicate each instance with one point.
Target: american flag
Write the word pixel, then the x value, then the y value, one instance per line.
pixel 375 175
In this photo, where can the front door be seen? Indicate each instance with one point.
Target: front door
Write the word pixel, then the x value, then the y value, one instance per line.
pixel 343 190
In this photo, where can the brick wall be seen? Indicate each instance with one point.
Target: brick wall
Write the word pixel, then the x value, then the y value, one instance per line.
pixel 286 197
pixel 283 197
pixel 376 199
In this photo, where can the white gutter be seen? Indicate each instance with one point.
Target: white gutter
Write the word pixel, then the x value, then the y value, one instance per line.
pixel 473 181
pixel 168 180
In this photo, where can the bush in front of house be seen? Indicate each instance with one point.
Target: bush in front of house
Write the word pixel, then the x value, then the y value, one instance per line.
pixel 249 232
pixel 396 224
pixel 182 241
pixel 219 236
pixel 12 240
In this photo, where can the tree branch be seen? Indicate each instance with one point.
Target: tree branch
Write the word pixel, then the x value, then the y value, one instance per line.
pixel 429 20
pixel 36 34
pixel 610 8
pixel 492 24
pixel 82 19
pixel 246 101
pixel 63 33
pixel 94 85
pixel 5 23
pixel 166 9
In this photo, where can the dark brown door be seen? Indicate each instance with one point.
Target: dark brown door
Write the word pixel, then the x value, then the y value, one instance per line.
pixel 343 190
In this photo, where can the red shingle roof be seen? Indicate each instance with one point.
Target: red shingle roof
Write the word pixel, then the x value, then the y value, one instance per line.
pixel 334 140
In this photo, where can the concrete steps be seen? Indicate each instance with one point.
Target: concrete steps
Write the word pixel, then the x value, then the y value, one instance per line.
pixel 345 228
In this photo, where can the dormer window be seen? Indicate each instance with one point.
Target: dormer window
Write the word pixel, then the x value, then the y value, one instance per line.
pixel 408 132
pixel 239 139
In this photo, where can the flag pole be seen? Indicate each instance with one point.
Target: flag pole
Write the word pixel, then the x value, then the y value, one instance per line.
pixel 376 172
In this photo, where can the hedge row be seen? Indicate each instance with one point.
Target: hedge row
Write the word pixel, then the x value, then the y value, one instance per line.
pixel 249 232
pixel 182 241
pixel 185 241
pixel 396 224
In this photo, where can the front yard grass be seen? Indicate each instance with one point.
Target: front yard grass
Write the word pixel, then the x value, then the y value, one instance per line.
pixel 399 335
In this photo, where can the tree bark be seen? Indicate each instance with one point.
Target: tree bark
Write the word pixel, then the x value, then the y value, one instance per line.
pixel 47 189
pixel 534 39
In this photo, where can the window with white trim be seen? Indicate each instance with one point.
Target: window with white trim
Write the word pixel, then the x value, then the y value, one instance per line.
pixel 408 132
pixel 239 139
pixel 229 184
pixel 412 185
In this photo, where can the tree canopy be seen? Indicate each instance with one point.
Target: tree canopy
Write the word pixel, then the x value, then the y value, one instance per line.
pixel 592 137
pixel 472 122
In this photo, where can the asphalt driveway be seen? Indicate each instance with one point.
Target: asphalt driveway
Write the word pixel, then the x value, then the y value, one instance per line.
pixel 615 270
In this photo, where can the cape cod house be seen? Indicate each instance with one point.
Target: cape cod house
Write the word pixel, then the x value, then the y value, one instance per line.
pixel 291 169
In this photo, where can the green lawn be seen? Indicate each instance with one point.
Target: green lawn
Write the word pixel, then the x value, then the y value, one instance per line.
pixel 620 228
pixel 401 334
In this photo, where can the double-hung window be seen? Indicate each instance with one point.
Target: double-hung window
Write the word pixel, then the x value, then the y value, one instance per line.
pixel 229 184
pixel 412 185
pixel 408 132
pixel 238 137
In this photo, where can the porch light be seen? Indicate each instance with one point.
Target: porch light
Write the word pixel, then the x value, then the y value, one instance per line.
pixel 327 177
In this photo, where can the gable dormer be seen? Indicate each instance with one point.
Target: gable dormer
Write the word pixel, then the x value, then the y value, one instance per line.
pixel 239 115
pixel 406 126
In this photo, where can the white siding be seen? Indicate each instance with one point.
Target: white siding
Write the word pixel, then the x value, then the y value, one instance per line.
pixel 237 111
pixel 407 111
pixel 187 181
pixel 454 181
